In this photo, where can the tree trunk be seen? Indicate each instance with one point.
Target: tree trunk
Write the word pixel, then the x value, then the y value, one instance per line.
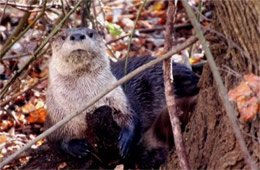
pixel 209 138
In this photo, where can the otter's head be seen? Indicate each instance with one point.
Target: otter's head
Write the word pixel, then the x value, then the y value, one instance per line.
pixel 78 49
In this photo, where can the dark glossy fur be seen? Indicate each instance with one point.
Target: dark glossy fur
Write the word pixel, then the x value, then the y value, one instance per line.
pixel 146 90
pixel 145 93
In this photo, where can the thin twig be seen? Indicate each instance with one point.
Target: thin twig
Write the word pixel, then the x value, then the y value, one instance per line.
pixel 63 8
pixel 119 38
pixel 169 91
pixel 37 51
pixel 2 16
pixel 175 50
pixel 17 56
pixel 161 28
pixel 111 51
pixel 220 86
pixel 132 34
pixel 102 7
pixel 95 16
pixel 198 18
pixel 20 5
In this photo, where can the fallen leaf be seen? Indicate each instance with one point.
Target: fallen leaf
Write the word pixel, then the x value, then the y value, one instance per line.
pixel 114 29
pixel 160 5
pixel 3 138
pixel 119 167
pixel 28 107
pixel 62 165
pixel 38 116
pixel 194 60
pixel 247 95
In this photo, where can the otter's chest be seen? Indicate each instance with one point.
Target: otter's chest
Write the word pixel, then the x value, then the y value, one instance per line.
pixel 73 95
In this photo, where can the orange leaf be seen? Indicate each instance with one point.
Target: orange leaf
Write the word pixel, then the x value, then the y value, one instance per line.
pixel 194 60
pixel 33 15
pixel 160 5
pixel 5 124
pixel 38 116
pixel 3 138
pixel 160 52
pixel 247 100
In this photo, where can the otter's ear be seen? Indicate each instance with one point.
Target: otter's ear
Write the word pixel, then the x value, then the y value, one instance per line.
pixel 101 33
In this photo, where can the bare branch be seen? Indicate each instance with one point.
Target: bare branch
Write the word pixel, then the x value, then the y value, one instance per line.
pixel 132 34
pixel 2 16
pixel 169 91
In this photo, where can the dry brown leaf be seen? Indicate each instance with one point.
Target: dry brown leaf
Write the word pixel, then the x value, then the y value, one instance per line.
pixel 3 138
pixel 119 46
pixel 28 107
pixel 38 116
pixel 195 60
pixel 247 96
pixel 33 15
pixel 5 124
pixel 62 165
pixel 119 167
pixel 160 5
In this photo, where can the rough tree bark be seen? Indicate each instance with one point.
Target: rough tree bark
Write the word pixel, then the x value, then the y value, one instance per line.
pixel 210 141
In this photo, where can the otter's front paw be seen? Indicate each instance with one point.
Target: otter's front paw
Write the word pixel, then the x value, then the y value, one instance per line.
pixel 126 138
pixel 77 148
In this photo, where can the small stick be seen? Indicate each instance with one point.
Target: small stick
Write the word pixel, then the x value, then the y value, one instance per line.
pixel 161 28
pixel 119 38
pixel 2 16
pixel 169 91
pixel 132 34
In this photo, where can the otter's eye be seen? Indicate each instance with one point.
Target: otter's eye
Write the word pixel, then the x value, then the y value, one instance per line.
pixel 63 37
pixel 82 37
pixel 90 34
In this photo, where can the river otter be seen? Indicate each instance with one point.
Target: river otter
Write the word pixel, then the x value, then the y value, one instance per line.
pixel 79 69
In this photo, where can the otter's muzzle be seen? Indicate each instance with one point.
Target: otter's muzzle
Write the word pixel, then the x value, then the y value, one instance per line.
pixel 77 37
pixel 80 36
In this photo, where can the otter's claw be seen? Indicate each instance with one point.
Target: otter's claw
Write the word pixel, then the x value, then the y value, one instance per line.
pixel 77 148
pixel 126 138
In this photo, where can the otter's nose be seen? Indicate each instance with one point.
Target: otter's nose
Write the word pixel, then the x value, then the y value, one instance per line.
pixel 77 37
